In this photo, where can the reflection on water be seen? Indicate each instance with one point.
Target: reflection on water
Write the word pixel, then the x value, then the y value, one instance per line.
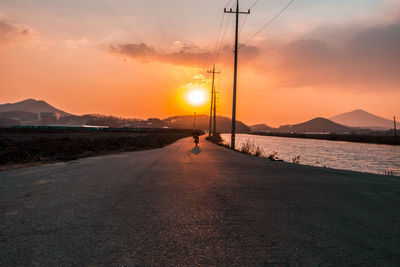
pixel 333 154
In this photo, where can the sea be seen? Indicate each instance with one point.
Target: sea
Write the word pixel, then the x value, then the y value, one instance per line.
pixel 362 157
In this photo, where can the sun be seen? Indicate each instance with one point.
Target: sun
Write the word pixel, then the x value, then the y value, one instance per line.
pixel 196 97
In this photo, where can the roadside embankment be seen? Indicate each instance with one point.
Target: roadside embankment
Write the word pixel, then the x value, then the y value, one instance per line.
pixel 21 146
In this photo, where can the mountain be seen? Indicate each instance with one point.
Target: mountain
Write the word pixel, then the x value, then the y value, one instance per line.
pixel 317 125
pixel 32 106
pixel 26 113
pixel 262 128
pixel 224 124
pixel 361 118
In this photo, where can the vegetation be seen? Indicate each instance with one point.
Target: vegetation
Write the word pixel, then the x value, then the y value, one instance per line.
pixel 389 173
pixel 215 138
pixel 42 145
pixel 296 159
pixel 273 156
pixel 249 147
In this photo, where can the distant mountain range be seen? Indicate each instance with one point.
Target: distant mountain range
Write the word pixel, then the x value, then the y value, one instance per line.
pixel 262 128
pixel 32 106
pixel 361 118
pixel 317 125
pixel 354 121
pixel 26 113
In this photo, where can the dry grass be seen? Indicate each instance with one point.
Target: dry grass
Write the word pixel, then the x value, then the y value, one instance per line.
pixel 251 148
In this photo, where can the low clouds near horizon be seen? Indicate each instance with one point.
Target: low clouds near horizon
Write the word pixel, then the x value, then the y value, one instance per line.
pixel 187 55
pixel 368 58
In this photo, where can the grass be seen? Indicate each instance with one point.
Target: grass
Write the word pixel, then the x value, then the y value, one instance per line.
pixel 296 159
pixel 38 146
pixel 251 148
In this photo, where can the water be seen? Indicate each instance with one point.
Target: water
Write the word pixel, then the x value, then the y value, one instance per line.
pixel 361 157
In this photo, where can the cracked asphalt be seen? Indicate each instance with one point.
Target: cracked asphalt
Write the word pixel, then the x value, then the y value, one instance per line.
pixel 181 206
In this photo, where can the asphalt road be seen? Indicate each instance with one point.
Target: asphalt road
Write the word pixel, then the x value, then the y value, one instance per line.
pixel 178 206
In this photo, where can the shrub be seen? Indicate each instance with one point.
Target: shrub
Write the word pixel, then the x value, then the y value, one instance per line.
pixel 296 159
pixel 249 147
pixel 273 156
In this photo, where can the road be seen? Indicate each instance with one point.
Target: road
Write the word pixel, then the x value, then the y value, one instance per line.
pixel 178 206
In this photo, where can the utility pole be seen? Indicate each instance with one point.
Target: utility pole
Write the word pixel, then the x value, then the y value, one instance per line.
pixel 237 12
pixel 215 113
pixel 194 122
pixel 395 130
pixel 212 109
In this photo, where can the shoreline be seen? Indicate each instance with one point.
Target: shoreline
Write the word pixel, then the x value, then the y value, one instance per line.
pixel 365 139
pixel 254 147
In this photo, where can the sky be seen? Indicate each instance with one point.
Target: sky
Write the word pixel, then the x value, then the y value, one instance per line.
pixel 140 58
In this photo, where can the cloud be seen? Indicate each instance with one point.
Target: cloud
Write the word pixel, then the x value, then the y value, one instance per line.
pixel 12 33
pixel 370 58
pixel 185 55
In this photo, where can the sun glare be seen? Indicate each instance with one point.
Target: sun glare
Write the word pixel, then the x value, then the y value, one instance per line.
pixel 196 97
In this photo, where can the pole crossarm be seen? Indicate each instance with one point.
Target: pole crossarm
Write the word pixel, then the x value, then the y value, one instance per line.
pixel 235 11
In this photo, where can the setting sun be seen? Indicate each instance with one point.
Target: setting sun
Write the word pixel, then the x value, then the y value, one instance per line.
pixel 196 97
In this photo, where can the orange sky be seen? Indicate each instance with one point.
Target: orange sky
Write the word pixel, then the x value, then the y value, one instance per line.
pixel 98 60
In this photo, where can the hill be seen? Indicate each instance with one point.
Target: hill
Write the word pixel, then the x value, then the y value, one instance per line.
pixel 26 113
pixel 32 106
pixel 316 125
pixel 262 128
pixel 361 118
pixel 224 124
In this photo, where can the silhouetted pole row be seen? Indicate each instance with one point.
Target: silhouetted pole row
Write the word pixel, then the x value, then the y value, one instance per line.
pixel 213 103
pixel 395 128
pixel 215 113
pixel 211 108
pixel 194 122
pixel 237 12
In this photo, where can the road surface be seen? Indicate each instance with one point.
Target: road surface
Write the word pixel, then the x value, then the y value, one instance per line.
pixel 181 206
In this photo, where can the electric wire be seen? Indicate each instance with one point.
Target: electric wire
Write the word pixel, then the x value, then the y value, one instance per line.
pixel 228 3
pixel 222 40
pixel 216 42
pixel 255 3
pixel 268 22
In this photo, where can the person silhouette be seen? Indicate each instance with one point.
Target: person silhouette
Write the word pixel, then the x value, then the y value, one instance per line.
pixel 196 138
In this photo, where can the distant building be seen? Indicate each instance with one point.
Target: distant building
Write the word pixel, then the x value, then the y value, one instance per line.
pixel 47 118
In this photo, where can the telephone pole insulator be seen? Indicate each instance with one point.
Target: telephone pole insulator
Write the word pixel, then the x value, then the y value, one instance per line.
pixel 236 12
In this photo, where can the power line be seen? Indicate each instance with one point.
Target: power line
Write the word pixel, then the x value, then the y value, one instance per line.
pixel 219 34
pixel 227 59
pixel 211 57
pixel 222 40
pixel 255 3
pixel 228 3
pixel 244 21
pixel 268 22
